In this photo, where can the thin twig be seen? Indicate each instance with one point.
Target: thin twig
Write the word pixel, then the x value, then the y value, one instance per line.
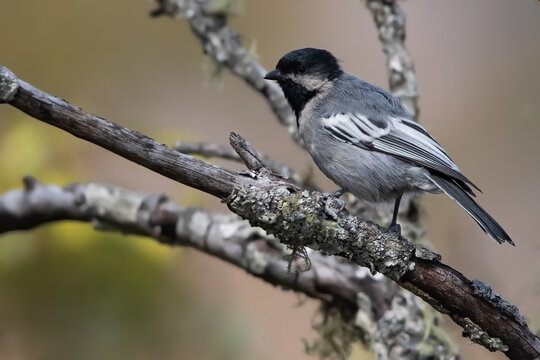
pixel 209 150
pixel 212 150
pixel 390 21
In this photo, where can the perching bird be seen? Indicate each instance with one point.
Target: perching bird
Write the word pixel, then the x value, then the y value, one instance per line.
pixel 362 138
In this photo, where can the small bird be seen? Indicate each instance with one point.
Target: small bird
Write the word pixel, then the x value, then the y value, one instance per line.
pixel 362 138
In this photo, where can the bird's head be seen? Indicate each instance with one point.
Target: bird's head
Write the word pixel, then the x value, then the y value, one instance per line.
pixel 308 67
pixel 303 73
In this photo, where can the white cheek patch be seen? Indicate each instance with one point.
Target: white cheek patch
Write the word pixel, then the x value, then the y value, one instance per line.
pixel 310 82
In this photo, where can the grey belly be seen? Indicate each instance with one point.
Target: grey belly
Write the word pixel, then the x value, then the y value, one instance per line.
pixel 370 176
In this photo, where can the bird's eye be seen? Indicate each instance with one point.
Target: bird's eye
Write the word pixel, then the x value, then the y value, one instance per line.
pixel 302 69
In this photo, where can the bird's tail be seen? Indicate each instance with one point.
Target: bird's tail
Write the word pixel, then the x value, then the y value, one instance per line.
pixel 486 222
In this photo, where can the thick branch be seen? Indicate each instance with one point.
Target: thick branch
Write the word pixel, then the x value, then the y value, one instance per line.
pixel 125 142
pixel 331 279
pixel 300 218
pixel 224 236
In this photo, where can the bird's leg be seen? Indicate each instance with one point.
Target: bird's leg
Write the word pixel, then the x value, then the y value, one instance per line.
pixel 337 193
pixel 394 226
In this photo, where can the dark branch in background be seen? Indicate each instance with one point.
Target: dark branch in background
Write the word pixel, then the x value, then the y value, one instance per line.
pixel 301 218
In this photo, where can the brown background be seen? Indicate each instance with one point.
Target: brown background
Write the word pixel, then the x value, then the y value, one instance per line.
pixel 479 83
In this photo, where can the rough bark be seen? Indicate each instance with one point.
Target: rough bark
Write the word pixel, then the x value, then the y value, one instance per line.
pixel 390 21
pixel 382 316
pixel 227 237
pixel 388 17
pixel 300 218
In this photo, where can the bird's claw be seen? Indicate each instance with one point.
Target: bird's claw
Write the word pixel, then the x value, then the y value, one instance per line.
pixel 396 228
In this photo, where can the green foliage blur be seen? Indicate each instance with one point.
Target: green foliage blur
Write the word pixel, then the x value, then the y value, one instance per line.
pixel 68 291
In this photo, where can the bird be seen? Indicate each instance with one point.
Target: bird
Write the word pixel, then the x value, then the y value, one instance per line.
pixel 365 141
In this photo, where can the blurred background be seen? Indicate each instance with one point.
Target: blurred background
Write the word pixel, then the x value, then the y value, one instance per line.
pixel 67 291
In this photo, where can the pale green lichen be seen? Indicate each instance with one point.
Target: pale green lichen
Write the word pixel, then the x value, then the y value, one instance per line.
pixel 336 333
pixel 319 222
pixel 479 336
pixel 435 341
pixel 213 72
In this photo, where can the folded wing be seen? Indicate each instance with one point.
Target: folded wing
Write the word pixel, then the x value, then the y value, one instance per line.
pixel 399 137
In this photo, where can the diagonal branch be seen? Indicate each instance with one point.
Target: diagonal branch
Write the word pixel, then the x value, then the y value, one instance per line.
pixel 225 236
pixel 125 142
pixel 390 21
pixel 301 218
pixel 222 43
pixel 332 280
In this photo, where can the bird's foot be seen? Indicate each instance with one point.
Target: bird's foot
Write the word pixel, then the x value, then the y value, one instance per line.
pixel 396 228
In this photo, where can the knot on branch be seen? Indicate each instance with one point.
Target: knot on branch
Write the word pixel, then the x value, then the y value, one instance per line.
pixel 9 84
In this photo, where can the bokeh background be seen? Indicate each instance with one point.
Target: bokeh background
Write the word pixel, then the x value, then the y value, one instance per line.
pixel 67 291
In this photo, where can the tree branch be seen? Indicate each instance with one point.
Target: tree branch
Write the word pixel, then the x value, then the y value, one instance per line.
pixel 222 43
pixel 334 281
pixel 301 218
pixel 390 22
pixel 205 149
pixel 125 142
pixel 155 215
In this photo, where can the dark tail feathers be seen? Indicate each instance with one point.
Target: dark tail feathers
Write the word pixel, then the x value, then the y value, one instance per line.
pixel 486 222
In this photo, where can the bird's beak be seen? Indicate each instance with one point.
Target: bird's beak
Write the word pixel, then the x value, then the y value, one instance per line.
pixel 273 75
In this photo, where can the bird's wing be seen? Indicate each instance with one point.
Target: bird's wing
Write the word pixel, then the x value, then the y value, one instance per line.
pixel 396 136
